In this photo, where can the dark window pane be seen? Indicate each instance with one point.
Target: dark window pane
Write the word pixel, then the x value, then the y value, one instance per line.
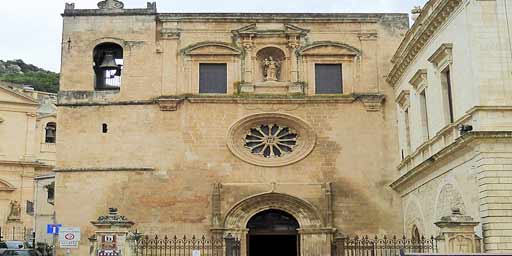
pixel 213 78
pixel 328 78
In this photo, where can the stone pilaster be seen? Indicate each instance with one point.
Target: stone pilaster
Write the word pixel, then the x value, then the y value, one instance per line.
pixel 168 49
pixel 30 137
pixel 248 45
pixel 293 45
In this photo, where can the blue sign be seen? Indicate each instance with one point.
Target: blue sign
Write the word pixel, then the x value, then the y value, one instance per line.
pixel 53 229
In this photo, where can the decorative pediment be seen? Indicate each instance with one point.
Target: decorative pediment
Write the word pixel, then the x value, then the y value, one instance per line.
pixel 328 48
pixel 211 48
pixel 270 29
pixel 442 55
pixel 6 186
pixel 419 79
pixel 12 96
pixel 403 99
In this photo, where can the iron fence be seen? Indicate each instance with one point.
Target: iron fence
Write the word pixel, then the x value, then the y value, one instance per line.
pixel 186 246
pixel 17 233
pixel 365 246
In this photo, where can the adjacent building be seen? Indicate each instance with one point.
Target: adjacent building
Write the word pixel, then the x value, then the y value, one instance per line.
pixel 27 149
pixel 211 123
pixel 452 81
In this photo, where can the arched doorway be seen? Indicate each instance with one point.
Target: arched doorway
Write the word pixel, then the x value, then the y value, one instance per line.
pixel 273 232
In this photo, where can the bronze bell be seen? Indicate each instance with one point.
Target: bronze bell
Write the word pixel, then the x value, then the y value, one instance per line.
pixel 109 62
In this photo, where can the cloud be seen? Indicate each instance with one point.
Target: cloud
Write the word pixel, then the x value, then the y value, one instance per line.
pixel 31 29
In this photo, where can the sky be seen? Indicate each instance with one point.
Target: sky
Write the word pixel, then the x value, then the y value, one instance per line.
pixel 31 29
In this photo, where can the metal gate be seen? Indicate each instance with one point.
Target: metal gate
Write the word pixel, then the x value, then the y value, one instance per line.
pixel 365 246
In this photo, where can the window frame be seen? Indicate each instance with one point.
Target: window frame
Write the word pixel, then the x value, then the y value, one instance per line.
pixel 316 65
pixel 226 64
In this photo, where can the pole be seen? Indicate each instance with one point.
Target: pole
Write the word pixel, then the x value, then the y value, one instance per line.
pixel 54 240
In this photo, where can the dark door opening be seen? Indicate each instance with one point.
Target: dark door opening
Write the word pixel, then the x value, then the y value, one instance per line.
pixel 273 233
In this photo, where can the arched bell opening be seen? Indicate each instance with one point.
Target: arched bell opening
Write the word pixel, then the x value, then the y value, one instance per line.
pixel 273 232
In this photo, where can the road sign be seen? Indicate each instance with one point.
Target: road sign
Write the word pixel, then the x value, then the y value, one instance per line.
pixel 69 237
pixel 53 228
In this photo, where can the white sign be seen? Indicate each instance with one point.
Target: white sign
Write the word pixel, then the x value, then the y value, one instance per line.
pixel 196 253
pixel 69 237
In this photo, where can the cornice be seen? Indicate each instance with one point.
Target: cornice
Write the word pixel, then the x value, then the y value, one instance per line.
pixel 107 169
pixel 448 151
pixel 419 35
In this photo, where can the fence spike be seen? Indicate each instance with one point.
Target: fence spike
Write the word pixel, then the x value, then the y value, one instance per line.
pixel 175 237
pixel 203 238
pixel 193 237
pixel 385 237
pixel 357 237
pixel 165 237
pixel 156 237
pixel 404 237
pixel 184 237
pixel 394 237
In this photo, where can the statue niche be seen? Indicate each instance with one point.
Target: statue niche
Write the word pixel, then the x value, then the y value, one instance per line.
pixel 271 63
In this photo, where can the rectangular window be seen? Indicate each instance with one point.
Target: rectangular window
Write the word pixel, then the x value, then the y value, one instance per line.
pixel 424 114
pixel 328 79
pixel 30 208
pixel 213 78
pixel 407 132
pixel 447 95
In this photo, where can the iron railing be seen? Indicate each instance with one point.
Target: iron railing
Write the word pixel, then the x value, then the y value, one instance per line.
pixel 185 246
pixel 365 246
pixel 17 233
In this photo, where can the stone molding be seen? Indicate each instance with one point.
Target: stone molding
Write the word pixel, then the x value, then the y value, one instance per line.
pixel 277 17
pixel 423 29
pixel 103 169
pixel 306 139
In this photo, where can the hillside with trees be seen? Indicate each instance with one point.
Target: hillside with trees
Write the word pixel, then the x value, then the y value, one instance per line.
pixel 21 73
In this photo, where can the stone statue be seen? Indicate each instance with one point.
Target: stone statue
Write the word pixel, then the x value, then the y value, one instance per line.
pixel 15 213
pixel 271 69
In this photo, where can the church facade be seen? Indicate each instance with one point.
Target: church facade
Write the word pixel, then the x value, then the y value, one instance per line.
pixel 200 123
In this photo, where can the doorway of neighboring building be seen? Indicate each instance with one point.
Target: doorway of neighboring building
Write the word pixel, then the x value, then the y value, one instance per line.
pixel 273 233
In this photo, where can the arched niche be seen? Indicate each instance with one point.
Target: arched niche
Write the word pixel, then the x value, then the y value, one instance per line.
pixel 278 55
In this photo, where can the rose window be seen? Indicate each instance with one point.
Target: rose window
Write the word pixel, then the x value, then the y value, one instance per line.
pixel 271 141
